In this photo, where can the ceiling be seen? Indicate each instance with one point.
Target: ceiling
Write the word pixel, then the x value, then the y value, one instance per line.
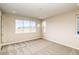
pixel 37 10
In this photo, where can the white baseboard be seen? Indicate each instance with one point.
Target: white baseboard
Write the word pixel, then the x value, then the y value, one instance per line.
pixel 62 44
pixel 4 44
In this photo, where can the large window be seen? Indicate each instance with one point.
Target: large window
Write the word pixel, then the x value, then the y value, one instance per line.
pixel 25 26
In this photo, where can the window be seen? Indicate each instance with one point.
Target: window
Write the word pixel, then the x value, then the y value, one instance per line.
pixel 33 26
pixel 19 26
pixel 77 31
pixel 25 26
pixel 44 26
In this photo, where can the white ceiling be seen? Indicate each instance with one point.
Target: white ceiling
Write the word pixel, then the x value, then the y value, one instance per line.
pixel 38 10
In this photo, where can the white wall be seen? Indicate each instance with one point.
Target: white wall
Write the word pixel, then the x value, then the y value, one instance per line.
pixel 9 34
pixel 0 27
pixel 62 29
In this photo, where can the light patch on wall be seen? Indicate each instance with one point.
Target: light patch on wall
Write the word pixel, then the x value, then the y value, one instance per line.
pixel 38 25
pixel 13 11
pixel 77 4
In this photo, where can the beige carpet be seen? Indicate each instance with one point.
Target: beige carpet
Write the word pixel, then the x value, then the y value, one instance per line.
pixel 38 47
